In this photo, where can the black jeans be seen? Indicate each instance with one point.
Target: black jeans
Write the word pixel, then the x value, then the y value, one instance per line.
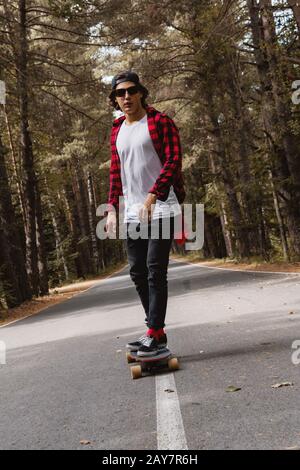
pixel 148 260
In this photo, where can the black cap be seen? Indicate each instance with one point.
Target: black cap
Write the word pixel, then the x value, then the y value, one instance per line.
pixel 125 77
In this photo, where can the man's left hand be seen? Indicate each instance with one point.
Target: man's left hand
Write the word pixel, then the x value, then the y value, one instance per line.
pixel 146 211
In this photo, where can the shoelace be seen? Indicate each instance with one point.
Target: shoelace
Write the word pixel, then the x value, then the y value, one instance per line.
pixel 147 340
pixel 142 339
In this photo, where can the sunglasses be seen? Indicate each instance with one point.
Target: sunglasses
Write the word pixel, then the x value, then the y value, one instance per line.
pixel 132 90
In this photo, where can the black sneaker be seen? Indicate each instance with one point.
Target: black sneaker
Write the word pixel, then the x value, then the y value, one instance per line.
pixel 151 346
pixel 136 345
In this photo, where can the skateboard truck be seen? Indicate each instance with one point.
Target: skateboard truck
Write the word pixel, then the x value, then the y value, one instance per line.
pixel 149 364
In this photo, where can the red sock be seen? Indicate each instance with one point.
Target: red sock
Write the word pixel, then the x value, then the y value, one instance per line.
pixel 155 333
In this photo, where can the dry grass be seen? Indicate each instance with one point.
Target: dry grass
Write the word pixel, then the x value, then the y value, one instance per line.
pixel 252 265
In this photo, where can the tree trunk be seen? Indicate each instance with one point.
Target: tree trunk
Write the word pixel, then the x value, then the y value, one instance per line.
pixel 222 166
pixel 58 239
pixel 72 216
pixel 15 168
pixel 13 270
pixel 223 216
pixel 27 155
pixel 92 221
pixel 277 74
pixel 79 191
pixel 40 240
pixel 214 246
pixel 284 167
pixel 289 140
pixel 284 244
pixel 226 231
pixel 242 132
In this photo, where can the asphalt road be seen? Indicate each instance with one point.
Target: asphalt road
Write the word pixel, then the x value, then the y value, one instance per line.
pixel 66 378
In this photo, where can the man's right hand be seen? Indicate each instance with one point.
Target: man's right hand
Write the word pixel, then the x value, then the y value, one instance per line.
pixel 111 223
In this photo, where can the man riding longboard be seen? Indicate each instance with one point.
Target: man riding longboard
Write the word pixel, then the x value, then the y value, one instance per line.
pixel 145 169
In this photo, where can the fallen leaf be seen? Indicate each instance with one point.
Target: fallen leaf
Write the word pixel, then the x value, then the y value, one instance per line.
pixel 84 442
pixel 232 388
pixel 283 384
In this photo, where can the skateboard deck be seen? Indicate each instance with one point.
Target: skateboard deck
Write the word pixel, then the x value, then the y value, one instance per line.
pixel 149 364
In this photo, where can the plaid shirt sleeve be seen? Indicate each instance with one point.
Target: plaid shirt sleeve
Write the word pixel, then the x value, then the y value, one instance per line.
pixel 115 182
pixel 171 151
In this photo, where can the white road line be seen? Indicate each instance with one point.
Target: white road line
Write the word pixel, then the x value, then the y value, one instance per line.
pixel 170 430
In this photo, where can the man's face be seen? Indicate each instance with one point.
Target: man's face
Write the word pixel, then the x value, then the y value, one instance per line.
pixel 129 104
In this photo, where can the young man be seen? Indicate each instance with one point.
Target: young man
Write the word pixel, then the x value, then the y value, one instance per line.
pixel 145 169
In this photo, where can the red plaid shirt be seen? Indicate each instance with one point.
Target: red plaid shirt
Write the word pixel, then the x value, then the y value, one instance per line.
pixel 166 141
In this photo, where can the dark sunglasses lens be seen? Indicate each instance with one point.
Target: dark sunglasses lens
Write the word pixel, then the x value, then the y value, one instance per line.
pixel 131 90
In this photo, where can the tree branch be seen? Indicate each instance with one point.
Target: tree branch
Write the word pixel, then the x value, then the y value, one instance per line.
pixel 68 105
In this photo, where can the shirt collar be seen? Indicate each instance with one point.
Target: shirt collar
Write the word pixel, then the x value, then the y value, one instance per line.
pixel 149 110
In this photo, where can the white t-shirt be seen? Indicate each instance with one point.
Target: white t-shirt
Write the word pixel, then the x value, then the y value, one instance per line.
pixel 140 167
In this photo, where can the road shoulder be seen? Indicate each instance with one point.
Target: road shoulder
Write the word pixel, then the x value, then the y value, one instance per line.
pixel 276 267
pixel 56 296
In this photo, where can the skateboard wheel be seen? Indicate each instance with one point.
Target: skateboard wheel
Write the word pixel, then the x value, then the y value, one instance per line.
pixel 173 363
pixel 136 372
pixel 130 360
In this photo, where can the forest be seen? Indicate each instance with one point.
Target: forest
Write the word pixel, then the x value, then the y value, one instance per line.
pixel 226 71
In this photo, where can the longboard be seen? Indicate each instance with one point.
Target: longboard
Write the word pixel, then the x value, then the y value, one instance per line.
pixel 149 364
